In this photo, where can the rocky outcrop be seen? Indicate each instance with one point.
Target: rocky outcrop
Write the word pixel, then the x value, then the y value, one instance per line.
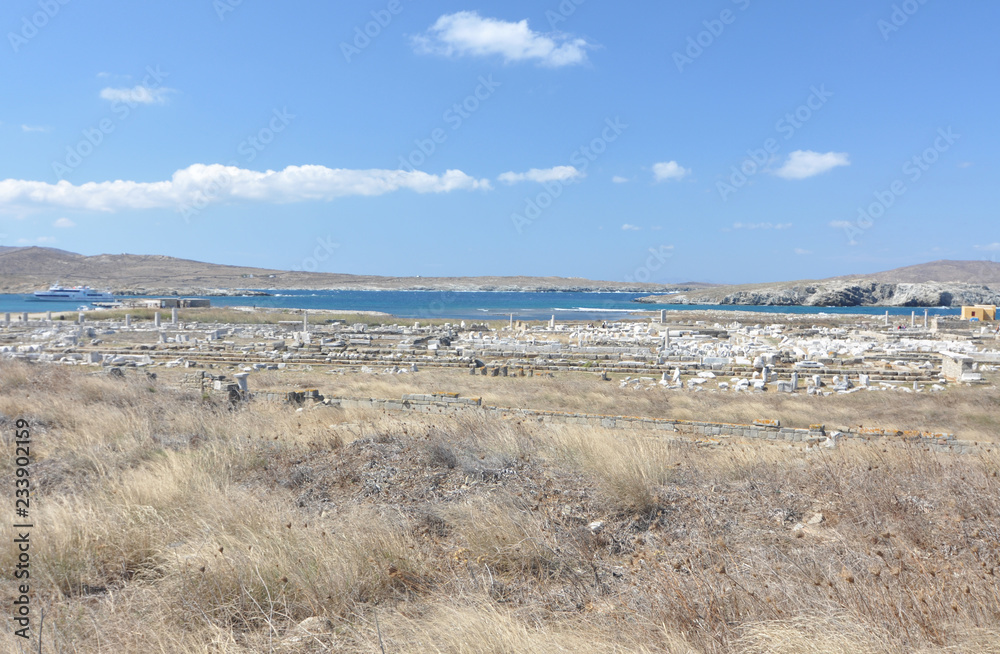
pixel 842 293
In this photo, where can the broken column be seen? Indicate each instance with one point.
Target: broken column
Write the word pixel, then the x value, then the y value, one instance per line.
pixel 79 318
pixel 663 316
pixel 305 321
pixel 173 316
pixel 925 318
pixel 24 317
pixel 156 319
pixel 48 316
pixel 886 318
pixel 128 319
pixel 6 319
pixel 913 319
pixel 795 381
pixel 241 380
pixel 552 322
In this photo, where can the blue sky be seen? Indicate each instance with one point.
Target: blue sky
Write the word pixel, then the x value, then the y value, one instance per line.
pixel 725 141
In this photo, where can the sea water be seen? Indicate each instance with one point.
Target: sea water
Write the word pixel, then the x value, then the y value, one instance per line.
pixel 476 305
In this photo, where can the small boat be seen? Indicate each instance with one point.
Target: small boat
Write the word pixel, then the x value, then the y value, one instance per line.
pixel 57 293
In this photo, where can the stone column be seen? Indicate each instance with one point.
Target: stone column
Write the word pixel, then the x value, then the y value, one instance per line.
pixel 24 317
pixel 156 319
pixel 6 319
pixel 79 318
pixel 795 381
pixel 173 316
pixel 305 320
pixel 241 379
pixel 128 320
pixel 886 318
pixel 48 316
pixel 663 316
pixel 925 318
pixel 913 319
pixel 552 322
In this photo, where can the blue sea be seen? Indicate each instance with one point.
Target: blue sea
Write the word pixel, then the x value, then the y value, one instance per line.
pixel 475 305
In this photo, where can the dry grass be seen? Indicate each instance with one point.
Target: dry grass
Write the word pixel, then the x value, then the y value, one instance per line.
pixel 167 523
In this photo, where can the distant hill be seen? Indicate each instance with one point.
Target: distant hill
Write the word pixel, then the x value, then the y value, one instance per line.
pixel 23 270
pixel 939 283
pixel 965 272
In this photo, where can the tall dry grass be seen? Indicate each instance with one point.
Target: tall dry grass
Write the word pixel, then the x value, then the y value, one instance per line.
pixel 168 523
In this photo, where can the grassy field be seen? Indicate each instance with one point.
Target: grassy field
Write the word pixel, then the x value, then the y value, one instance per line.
pixel 166 522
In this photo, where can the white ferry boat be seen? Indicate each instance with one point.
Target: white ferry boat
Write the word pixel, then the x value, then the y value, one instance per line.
pixel 58 293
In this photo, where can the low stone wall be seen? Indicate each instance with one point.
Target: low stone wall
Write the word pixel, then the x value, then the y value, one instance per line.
pixel 705 432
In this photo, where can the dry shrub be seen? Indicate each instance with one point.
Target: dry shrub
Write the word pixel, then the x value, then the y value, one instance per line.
pixel 629 466
pixel 502 533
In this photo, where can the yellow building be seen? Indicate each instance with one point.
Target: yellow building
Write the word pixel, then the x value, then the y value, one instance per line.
pixel 980 312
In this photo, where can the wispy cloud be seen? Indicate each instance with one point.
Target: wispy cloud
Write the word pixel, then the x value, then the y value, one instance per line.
pixel 841 224
pixel 217 183
pixel 136 95
pixel 669 170
pixel 466 33
pixel 34 128
pixel 630 228
pixel 618 179
pixel 64 223
pixel 762 225
pixel 801 251
pixel 991 247
pixel 558 173
pixel 806 163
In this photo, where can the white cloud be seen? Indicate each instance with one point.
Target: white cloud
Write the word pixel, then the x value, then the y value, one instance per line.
pixel 136 95
pixel 46 239
pixel 762 225
pixel 992 247
pixel 800 251
pixel 657 228
pixel 630 228
pixel 541 175
pixel 64 223
pixel 618 179
pixel 806 163
pixel 841 224
pixel 468 33
pixel 667 170
pixel 206 184
pixel 34 128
